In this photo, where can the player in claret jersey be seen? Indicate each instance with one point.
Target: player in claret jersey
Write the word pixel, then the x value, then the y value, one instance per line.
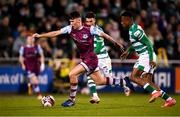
pixel 32 61
pixel 145 65
pixel 84 39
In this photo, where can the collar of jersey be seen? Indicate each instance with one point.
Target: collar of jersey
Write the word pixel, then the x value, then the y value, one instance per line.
pixel 132 26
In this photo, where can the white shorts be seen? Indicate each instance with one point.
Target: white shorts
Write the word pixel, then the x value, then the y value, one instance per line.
pixel 105 66
pixel 143 63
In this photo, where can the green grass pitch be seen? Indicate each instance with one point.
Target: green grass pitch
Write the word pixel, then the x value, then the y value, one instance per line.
pixel 112 104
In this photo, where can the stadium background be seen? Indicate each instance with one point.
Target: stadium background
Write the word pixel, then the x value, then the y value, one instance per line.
pixel 18 18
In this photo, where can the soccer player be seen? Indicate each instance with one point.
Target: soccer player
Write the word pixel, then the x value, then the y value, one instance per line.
pixel 104 61
pixel 145 65
pixel 83 37
pixel 31 59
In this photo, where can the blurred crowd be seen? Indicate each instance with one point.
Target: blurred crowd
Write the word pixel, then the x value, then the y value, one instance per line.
pixel 18 18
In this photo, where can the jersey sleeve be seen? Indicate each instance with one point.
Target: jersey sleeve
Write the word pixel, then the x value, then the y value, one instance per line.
pixel 95 31
pixel 66 30
pixel 149 45
pixel 40 50
pixel 21 51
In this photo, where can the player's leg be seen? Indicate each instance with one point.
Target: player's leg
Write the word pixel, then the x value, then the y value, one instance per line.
pixel 123 84
pixel 128 83
pixel 30 92
pixel 73 75
pixel 106 68
pixel 35 85
pixel 93 92
pixel 101 80
pixel 136 77
pixel 169 101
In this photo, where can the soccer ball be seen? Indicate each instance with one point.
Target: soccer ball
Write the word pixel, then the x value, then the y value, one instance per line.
pixel 48 101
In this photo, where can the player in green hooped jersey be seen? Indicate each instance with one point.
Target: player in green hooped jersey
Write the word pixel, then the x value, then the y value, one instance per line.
pixel 145 65
pixel 104 62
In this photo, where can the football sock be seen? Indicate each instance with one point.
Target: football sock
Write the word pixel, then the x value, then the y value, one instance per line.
pixel 123 83
pixel 92 86
pixel 30 91
pixel 129 84
pixel 73 91
pixel 149 88
pixel 112 81
pixel 164 95
pixel 36 88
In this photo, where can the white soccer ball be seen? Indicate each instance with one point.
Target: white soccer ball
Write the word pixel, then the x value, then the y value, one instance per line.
pixel 48 101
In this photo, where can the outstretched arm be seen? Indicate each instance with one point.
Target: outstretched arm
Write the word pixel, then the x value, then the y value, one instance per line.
pixel 64 30
pixel 95 31
pixel 47 35
pixel 106 36
pixel 125 54
pixel 40 50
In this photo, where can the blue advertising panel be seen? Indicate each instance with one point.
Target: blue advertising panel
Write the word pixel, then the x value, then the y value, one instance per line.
pixel 12 79
pixel 163 77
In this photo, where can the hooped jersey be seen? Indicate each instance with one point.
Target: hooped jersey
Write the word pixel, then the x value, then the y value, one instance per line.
pixel 99 46
pixel 137 38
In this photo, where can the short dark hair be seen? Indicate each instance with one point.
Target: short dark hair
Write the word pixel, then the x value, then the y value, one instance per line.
pixel 127 14
pixel 90 15
pixel 74 15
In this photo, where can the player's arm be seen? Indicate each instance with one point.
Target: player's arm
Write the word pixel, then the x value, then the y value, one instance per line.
pixel 47 35
pixel 106 36
pixel 96 31
pixel 130 49
pixel 21 58
pixel 149 45
pixel 127 52
pixel 144 39
pixel 140 35
pixel 51 34
pixel 42 58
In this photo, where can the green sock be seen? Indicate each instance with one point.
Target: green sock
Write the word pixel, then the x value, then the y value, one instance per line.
pixel 91 85
pixel 148 88
pixel 164 95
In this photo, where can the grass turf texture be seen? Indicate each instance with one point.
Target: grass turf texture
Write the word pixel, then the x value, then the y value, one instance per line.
pixel 112 104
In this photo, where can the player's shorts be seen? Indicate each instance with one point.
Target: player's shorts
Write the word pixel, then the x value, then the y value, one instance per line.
pixel 105 66
pixel 143 63
pixel 90 64
pixel 31 73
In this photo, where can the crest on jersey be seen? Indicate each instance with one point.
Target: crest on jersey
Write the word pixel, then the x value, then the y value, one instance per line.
pixel 85 36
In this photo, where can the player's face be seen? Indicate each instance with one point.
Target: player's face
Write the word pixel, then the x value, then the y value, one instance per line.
pixel 125 21
pixel 76 23
pixel 30 40
pixel 90 21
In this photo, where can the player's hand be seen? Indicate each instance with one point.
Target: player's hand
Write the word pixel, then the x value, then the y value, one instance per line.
pixel 152 64
pixel 36 35
pixel 120 46
pixel 124 55
pixel 42 67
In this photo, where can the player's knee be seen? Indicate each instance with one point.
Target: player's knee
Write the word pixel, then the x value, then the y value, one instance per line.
pixel 35 80
pixel 133 77
pixel 72 74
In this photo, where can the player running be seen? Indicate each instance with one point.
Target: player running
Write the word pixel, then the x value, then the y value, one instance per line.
pixel 84 39
pixel 31 59
pixel 104 61
pixel 145 65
